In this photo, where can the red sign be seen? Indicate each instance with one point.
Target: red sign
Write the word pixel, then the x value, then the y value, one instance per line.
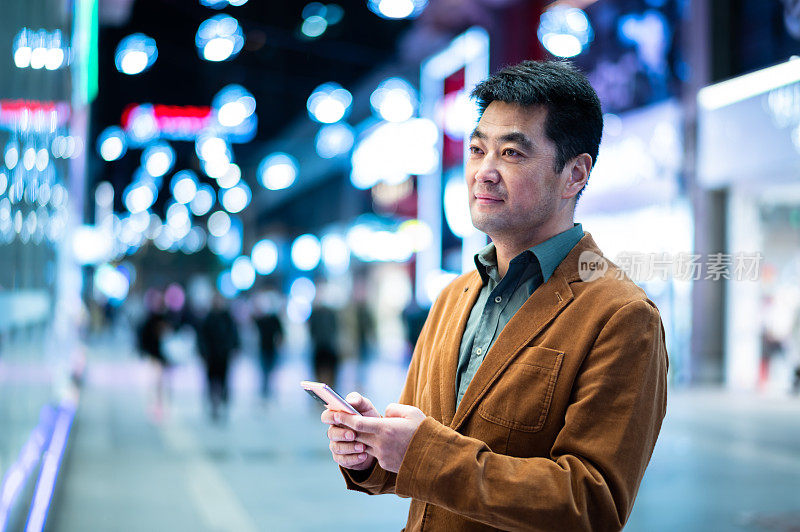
pixel 27 114
pixel 172 121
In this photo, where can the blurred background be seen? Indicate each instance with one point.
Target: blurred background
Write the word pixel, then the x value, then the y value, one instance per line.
pixel 203 202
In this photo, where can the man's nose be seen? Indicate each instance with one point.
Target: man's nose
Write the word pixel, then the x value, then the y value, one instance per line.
pixel 488 170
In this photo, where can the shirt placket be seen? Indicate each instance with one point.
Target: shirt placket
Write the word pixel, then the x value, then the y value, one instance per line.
pixel 490 322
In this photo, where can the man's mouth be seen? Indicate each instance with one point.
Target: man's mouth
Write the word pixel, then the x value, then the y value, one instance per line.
pixel 487 199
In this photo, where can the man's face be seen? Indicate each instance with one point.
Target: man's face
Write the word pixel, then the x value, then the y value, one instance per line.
pixel 514 190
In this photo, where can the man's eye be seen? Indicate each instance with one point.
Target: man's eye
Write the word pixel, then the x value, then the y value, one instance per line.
pixel 474 150
pixel 511 152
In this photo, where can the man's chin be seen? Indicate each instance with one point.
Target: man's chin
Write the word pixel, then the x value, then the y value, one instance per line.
pixel 484 224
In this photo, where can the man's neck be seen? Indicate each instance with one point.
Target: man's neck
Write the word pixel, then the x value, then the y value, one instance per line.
pixel 507 249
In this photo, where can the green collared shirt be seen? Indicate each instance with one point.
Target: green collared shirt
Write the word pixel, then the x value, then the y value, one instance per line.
pixel 500 299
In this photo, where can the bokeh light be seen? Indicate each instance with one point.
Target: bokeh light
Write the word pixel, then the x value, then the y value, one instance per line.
pixel 219 223
pixel 394 100
pixel 397 9
pixel 219 38
pixel 564 31
pixel 184 186
pixel 277 171
pixel 158 159
pixel 112 143
pixel 306 252
pixel 334 139
pixel 329 103
pixel 203 200
pixel 264 256
pixel 235 199
pixel 234 104
pixel 135 54
pixel 243 275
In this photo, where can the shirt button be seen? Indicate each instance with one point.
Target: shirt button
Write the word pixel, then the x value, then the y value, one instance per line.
pixel 478 351
pixel 498 299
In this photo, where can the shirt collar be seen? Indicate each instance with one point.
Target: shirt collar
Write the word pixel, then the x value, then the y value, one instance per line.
pixel 549 253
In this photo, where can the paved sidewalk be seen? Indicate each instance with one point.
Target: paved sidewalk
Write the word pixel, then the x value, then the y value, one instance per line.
pixel 723 462
pixel 266 468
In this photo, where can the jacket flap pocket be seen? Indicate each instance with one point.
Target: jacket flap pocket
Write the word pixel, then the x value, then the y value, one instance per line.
pixel 520 398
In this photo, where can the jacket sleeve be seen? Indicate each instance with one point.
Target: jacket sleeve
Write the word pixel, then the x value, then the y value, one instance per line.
pixel 591 477
pixel 377 480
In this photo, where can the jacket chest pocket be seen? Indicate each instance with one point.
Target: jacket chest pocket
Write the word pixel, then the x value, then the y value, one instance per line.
pixel 520 398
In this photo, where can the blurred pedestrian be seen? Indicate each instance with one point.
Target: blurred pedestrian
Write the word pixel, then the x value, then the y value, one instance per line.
pixel 414 317
pixel 150 343
pixel 270 334
pixel 323 329
pixel 218 337
pixel 365 335
pixel 795 366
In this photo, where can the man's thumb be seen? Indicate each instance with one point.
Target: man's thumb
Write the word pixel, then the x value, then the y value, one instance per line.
pixel 355 399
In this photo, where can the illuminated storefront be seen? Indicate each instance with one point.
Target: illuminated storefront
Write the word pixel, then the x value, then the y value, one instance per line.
pixel 634 208
pixel 749 146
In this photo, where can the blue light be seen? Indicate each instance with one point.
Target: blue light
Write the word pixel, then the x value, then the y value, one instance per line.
pixel 234 104
pixel 329 103
pixel 397 9
pixel 334 140
pixel 220 4
pixel 219 38
pixel 235 199
pixel 564 31
pixel 135 54
pixel 314 26
pixel 112 144
pixel 228 245
pixel 225 285
pixel 264 256
pixel 235 112
pixel 394 100
pixel 277 171
pixel 158 159
pixel 140 196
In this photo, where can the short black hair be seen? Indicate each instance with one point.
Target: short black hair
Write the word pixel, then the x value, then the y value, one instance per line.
pixel 574 121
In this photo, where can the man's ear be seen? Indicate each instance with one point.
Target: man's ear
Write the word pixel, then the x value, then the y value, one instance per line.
pixel 577 174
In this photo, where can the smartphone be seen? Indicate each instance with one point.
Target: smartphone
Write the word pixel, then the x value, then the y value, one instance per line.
pixel 329 398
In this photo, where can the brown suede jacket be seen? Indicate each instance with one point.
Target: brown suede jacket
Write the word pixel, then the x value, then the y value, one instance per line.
pixel 557 426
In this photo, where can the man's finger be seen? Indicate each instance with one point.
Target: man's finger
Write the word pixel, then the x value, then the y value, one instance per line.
pixel 341 434
pixel 349 460
pixel 362 424
pixel 355 399
pixel 369 440
pixel 360 403
pixel 347 447
pixel 327 417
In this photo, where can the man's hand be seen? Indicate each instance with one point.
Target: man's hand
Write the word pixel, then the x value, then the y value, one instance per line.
pixel 346 451
pixel 385 438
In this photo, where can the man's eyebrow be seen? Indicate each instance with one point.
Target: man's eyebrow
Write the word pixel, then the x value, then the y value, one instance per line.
pixel 518 138
pixel 477 134
pixel 515 137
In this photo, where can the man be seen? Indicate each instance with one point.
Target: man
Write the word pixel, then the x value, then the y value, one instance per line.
pixel 538 385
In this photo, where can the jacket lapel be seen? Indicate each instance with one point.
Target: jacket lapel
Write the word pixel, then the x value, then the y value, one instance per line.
pixel 452 344
pixel 539 310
